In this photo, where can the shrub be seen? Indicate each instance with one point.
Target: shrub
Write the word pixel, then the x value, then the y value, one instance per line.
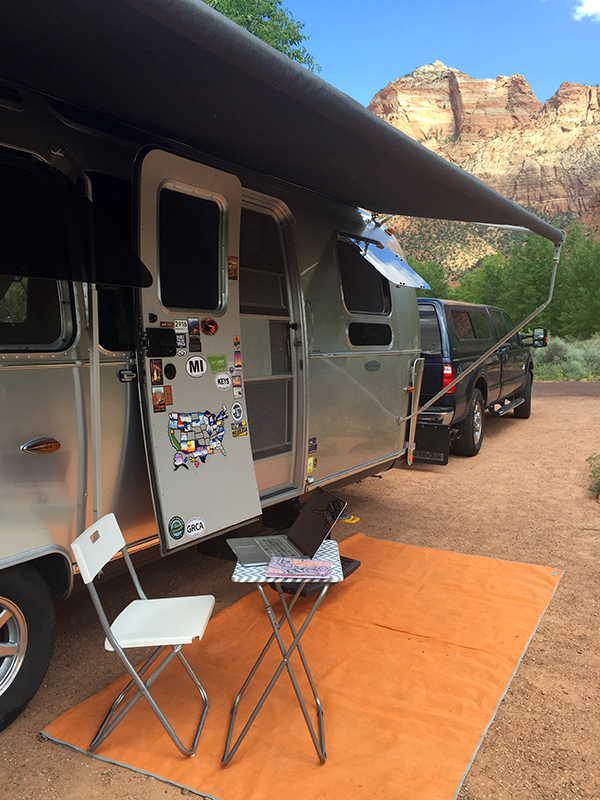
pixel 594 462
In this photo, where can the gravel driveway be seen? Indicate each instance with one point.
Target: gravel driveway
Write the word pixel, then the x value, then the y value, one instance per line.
pixel 523 498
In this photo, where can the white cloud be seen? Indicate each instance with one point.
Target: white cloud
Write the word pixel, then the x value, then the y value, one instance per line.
pixel 588 8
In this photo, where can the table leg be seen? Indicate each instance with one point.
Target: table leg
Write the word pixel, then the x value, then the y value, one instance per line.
pixel 285 653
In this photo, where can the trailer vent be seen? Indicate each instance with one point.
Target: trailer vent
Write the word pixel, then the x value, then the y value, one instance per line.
pixel 269 404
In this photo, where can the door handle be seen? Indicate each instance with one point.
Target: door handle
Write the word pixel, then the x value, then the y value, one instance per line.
pixel 41 446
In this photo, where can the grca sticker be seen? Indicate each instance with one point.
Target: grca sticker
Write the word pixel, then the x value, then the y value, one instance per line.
pixel 195 366
pixel 176 527
pixel 195 527
pixel 223 381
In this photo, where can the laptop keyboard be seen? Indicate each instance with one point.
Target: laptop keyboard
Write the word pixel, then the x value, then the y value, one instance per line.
pixel 278 546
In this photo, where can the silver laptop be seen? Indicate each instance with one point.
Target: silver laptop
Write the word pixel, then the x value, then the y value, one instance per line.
pixel 317 518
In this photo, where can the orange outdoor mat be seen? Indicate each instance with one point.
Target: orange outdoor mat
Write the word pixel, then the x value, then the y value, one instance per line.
pixel 411 657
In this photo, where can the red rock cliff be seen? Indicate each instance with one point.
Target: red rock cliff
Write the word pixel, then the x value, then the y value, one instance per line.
pixel 546 157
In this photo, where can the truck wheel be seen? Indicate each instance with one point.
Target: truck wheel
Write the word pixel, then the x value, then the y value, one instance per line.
pixel 470 430
pixel 524 410
pixel 27 626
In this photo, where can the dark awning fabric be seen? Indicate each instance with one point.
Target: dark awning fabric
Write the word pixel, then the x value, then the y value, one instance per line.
pixel 179 69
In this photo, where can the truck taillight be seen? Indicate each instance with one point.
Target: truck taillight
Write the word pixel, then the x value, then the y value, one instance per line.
pixel 447 377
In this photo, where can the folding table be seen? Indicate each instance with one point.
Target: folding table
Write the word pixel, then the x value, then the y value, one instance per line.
pixel 328 551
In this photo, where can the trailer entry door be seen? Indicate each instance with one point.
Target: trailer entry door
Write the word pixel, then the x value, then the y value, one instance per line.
pixel 191 356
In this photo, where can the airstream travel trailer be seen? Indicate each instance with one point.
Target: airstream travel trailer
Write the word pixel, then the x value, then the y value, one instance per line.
pixel 197 321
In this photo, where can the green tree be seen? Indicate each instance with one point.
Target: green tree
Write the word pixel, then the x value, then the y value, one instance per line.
pixel 482 284
pixel 435 276
pixel 271 22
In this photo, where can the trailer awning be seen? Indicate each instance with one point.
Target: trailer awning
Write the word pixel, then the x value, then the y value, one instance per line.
pixel 179 69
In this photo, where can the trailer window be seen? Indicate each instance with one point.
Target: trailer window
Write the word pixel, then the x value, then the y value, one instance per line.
pixel 365 290
pixel 35 314
pixel 262 265
pixel 189 249
pixel 368 334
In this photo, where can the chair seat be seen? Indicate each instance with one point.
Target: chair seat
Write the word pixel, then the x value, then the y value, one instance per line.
pixel 163 621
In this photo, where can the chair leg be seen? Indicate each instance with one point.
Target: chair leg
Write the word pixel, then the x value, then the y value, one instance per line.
pixel 112 719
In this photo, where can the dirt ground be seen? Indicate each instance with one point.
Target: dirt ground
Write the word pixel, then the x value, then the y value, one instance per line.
pixel 523 498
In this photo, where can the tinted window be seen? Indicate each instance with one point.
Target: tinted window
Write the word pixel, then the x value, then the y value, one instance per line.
pixel 481 324
pixel 431 342
pixel 364 334
pixel 365 290
pixel 462 325
pixel 30 314
pixel 189 247
pixel 498 322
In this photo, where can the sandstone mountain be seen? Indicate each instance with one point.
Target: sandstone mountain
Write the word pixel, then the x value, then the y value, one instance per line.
pixel 544 156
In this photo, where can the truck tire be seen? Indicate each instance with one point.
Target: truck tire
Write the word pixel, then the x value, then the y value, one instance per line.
pixel 524 410
pixel 470 430
pixel 27 627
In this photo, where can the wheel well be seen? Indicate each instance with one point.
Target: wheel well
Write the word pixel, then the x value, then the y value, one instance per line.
pixel 482 386
pixel 56 571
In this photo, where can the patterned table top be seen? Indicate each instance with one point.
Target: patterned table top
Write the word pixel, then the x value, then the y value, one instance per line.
pixel 328 551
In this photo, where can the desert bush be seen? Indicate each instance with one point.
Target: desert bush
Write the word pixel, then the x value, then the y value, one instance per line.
pixel 565 360
pixel 594 462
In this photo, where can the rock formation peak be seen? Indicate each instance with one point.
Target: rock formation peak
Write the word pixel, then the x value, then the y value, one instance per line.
pixel 544 156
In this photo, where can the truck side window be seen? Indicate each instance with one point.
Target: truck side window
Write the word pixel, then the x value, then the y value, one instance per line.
pixel 190 233
pixel 35 314
pixel 481 325
pixel 365 290
pixel 462 325
pixel 431 342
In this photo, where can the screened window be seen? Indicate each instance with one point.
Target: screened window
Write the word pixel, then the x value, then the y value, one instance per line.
pixel 262 266
pixel 189 250
pixel 365 290
pixel 31 315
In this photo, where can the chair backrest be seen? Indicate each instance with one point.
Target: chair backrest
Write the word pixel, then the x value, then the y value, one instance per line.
pixel 97 545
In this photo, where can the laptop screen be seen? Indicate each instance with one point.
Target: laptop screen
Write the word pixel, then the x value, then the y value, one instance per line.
pixel 317 518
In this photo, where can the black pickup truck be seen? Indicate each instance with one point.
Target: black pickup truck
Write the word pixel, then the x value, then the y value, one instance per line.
pixel 453 336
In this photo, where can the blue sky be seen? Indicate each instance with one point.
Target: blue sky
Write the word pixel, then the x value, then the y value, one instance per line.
pixel 361 46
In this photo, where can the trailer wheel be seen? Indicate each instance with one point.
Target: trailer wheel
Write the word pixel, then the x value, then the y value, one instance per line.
pixel 524 410
pixel 470 430
pixel 27 626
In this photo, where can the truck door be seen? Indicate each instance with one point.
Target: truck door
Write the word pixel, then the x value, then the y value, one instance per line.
pixel 195 421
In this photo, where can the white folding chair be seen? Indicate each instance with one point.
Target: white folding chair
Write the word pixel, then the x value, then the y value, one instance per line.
pixel 164 623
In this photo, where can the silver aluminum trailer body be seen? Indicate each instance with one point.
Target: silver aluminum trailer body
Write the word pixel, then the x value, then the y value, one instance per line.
pixel 186 406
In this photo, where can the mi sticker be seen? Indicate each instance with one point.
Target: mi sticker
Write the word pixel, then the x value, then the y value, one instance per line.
pixel 176 528
pixel 195 366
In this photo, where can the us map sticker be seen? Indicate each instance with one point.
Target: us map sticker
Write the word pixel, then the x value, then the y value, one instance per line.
pixel 195 436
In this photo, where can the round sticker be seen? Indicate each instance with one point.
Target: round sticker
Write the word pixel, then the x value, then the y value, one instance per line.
pixel 237 412
pixel 223 381
pixel 176 527
pixel 195 527
pixel 195 366
pixel 209 326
